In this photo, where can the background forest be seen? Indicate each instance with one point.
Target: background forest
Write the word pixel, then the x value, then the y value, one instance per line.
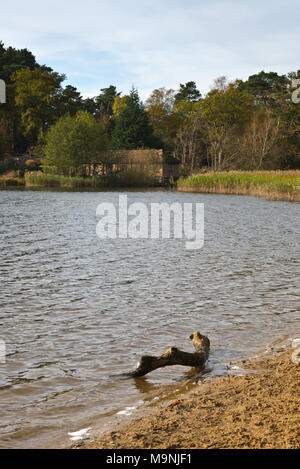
pixel 244 125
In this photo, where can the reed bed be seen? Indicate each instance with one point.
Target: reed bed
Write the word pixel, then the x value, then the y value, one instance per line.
pixel 275 185
pixel 124 179
pixel 39 179
pixel 11 179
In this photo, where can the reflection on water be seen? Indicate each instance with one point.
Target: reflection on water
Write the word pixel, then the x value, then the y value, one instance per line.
pixel 76 310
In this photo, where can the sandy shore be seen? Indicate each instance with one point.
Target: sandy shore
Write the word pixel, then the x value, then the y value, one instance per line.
pixel 258 410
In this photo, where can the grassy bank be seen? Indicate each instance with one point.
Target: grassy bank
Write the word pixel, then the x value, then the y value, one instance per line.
pixel 275 185
pixel 258 410
pixel 39 179
pixel 11 179
pixel 126 179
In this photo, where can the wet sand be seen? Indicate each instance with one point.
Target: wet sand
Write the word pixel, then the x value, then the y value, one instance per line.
pixel 258 410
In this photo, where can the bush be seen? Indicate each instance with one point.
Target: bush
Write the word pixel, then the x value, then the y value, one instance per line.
pixel 72 142
pixel 32 165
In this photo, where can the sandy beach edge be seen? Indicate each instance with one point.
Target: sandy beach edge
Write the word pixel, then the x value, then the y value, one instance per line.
pixel 257 410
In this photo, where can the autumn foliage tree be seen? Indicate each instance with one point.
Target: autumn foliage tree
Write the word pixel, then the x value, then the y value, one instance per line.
pixel 225 113
pixel 160 109
pixel 37 99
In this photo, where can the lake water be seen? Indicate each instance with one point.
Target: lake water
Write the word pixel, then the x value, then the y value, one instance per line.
pixel 77 310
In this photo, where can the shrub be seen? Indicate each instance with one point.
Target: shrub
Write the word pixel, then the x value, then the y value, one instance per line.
pixel 32 164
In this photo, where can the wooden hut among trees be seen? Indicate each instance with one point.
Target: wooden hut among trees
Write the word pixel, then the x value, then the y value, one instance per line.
pixel 150 161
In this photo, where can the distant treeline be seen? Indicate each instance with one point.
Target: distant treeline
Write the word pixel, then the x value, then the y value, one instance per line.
pixel 240 125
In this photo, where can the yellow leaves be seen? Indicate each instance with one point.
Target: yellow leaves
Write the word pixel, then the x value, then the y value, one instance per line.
pixel 119 103
pixel 36 92
pixel 226 108
pixel 187 109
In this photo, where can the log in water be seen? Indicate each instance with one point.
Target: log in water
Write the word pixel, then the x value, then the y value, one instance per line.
pixel 174 356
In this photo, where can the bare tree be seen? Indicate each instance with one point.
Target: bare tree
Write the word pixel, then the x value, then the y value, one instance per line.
pixel 221 83
pixel 187 141
pixel 261 139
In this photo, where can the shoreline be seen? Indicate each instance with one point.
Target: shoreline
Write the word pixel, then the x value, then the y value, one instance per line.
pixel 259 409
pixel 270 185
pixel 275 196
pixel 209 183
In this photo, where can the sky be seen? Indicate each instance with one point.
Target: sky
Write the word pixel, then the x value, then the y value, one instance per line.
pixel 153 44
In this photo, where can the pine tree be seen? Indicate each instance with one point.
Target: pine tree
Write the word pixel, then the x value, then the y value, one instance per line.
pixel 187 92
pixel 132 126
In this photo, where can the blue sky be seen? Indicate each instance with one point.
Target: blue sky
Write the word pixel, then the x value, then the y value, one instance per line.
pixel 150 44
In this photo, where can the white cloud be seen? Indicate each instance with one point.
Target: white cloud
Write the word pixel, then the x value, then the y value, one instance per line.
pixel 153 44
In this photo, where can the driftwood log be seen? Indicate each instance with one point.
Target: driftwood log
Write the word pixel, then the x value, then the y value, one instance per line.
pixel 174 356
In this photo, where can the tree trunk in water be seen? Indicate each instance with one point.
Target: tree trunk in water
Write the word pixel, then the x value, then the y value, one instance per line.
pixel 174 356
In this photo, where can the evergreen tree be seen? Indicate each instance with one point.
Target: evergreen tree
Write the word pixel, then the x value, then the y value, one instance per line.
pixel 132 126
pixel 264 86
pixel 12 59
pixel 89 105
pixel 188 92
pixel 105 101
pixel 69 101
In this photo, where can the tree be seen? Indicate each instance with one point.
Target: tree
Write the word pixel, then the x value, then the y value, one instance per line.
pixel 188 142
pixel 187 115
pixel 289 114
pixel 104 107
pixel 37 99
pixel 89 105
pixel 12 60
pixel 264 86
pixel 160 107
pixel 260 144
pixel 3 142
pixel 132 127
pixel 119 103
pixel 187 92
pixel 72 142
pixel 162 100
pixel 2 146
pixel 6 137
pixel 105 101
pixel 225 113
pixel 190 133
pixel 221 83
pixel 69 101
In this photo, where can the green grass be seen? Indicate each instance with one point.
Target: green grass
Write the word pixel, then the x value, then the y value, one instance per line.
pixel 39 179
pixel 270 184
pixel 125 179
pixel 11 181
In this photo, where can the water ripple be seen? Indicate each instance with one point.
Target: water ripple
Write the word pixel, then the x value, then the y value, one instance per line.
pixel 76 310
